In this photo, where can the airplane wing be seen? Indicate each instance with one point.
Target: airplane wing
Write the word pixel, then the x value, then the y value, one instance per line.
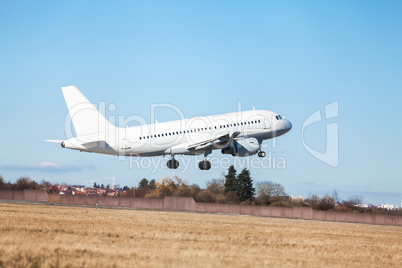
pixel 214 141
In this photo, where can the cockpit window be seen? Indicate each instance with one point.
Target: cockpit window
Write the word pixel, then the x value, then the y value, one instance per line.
pixel 278 117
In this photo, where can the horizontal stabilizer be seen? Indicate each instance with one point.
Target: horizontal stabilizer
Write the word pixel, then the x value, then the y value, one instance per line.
pixel 94 144
pixel 54 141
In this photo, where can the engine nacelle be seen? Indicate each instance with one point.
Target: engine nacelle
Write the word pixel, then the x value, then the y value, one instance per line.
pixel 243 147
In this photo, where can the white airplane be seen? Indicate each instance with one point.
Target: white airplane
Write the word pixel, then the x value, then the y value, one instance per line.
pixel 239 134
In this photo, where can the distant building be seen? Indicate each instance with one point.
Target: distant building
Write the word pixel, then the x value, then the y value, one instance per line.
pixel 297 198
pixel 88 191
pixel 363 205
pixel 388 206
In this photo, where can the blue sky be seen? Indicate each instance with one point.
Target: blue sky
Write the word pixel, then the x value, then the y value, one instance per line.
pixel 205 57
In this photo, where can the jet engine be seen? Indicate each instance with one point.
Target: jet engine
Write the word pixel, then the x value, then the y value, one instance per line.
pixel 243 147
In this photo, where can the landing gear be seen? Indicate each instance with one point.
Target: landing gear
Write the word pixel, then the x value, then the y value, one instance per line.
pixel 173 164
pixel 261 154
pixel 205 164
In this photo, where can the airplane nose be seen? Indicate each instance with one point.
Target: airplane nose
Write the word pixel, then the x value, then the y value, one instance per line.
pixel 288 125
pixel 283 126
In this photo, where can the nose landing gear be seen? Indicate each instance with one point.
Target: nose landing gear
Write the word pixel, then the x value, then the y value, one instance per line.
pixel 261 154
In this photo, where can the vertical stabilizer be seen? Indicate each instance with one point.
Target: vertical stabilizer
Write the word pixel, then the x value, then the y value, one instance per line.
pixel 85 116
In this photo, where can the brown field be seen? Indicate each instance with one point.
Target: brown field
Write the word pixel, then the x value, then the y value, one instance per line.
pixel 61 236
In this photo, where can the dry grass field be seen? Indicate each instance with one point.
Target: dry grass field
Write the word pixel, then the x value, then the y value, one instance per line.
pixel 60 236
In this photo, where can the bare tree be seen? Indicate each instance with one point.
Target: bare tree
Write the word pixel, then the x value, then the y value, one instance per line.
pixel 270 188
pixel 25 183
pixel 313 201
pixel 353 201
pixel 335 196
pixel 267 189
pixel 216 186
pixel 321 203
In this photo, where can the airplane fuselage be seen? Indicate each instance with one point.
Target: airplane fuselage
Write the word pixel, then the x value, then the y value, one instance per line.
pixel 175 137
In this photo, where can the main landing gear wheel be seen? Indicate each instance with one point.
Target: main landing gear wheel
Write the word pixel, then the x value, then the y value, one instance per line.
pixel 204 165
pixel 173 164
pixel 261 154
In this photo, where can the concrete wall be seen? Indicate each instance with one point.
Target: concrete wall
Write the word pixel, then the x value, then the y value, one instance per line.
pixel 188 204
pixel 53 198
pixel 302 212
pixel 30 195
pixel 179 203
pixel 26 195
pixel 8 195
pixel 145 203
pixel 217 208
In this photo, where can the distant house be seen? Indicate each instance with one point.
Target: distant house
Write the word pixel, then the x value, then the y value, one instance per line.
pixel 388 206
pixel 297 198
pixel 88 191
pixel 78 193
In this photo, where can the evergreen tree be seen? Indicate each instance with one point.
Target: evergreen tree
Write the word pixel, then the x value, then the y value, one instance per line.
pixel 95 185
pixel 230 180
pixel 152 184
pixel 245 189
pixel 143 183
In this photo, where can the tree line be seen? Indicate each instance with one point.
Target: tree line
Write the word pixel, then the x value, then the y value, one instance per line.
pixel 233 188
pixel 26 183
